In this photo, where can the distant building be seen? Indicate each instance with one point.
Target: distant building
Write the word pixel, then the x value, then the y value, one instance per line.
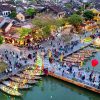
pixel 56 10
pixel 5 24
pixel 6 9
pixel 4 0
pixel 20 16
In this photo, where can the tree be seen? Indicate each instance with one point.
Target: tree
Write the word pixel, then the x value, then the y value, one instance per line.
pixel 13 14
pixel 80 10
pixel 68 5
pixel 88 15
pixel 46 31
pixel 38 22
pixel 24 32
pixel 87 4
pixel 60 22
pixel 1 39
pixel 75 20
pixel 30 11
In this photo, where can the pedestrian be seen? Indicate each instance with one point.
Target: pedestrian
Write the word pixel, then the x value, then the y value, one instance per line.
pixel 74 74
pixel 99 78
pixel 83 77
pixel 63 73
pixel 51 43
pixel 93 79
pixel 99 86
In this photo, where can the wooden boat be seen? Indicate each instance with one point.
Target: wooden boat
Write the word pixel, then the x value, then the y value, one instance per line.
pixel 84 54
pixel 88 51
pixel 87 55
pixel 81 55
pixel 9 90
pixel 16 85
pixel 33 73
pixel 77 55
pixel 72 60
pixel 84 51
pixel 30 77
pixel 79 58
pixel 75 83
pixel 20 80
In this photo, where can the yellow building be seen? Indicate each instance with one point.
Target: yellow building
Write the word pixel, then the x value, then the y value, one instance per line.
pixel 97 15
pixel 20 17
pixel 97 42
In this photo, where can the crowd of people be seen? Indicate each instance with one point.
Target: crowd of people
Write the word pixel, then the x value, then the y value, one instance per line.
pixel 13 59
pixel 53 52
pixel 87 77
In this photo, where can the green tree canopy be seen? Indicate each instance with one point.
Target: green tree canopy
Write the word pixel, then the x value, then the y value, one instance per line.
pixel 68 5
pixel 88 4
pixel 13 14
pixel 24 32
pixel 60 22
pixel 38 22
pixel 88 15
pixel 46 30
pixel 30 11
pixel 41 22
pixel 1 39
pixel 75 20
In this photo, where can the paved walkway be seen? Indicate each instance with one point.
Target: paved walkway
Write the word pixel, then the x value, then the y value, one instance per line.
pixel 47 45
pixel 76 73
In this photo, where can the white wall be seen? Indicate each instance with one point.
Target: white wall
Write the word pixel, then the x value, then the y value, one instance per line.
pixel 6 13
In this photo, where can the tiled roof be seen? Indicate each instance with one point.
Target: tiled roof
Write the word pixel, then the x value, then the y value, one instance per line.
pixel 55 8
pixel 1 19
pixel 97 6
pixel 4 26
pixel 6 7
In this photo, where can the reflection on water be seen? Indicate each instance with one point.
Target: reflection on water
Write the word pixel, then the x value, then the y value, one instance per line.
pixel 53 89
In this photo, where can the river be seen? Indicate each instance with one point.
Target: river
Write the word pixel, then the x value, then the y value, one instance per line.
pixel 53 89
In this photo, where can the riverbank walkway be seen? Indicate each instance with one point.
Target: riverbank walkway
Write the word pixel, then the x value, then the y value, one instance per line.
pixel 46 46
pixel 88 79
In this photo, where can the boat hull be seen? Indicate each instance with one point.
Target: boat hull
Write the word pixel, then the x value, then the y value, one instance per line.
pixel 9 93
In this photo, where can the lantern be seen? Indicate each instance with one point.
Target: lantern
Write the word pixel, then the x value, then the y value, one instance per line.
pixel 94 62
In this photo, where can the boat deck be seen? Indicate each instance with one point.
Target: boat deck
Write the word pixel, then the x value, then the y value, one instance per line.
pixel 9 90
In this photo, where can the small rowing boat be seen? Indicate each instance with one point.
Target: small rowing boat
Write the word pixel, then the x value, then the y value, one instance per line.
pixel 24 81
pixel 84 54
pixel 28 76
pixel 16 85
pixel 87 51
pixel 33 72
pixel 73 60
pixel 9 90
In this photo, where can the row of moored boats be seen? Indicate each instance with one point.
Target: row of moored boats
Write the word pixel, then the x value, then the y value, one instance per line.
pixel 80 56
pixel 23 80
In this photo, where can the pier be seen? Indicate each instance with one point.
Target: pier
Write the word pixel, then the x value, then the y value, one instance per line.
pixel 74 82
